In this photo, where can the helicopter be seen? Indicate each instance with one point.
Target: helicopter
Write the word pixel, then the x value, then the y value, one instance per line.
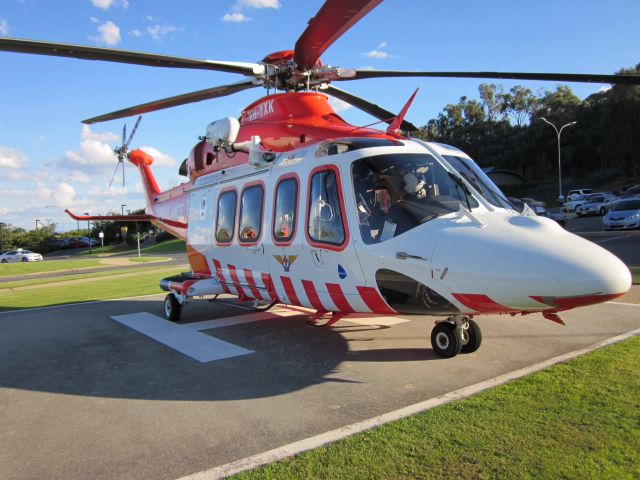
pixel 290 204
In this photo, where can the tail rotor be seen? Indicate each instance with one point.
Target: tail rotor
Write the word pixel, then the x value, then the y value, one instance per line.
pixel 123 150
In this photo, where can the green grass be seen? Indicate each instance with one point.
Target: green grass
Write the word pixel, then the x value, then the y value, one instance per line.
pixel 77 276
pixel 11 269
pixel 635 274
pixel 146 259
pixel 108 288
pixel 170 246
pixel 576 420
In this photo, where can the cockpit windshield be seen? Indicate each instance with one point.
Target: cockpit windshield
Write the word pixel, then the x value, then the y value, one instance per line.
pixel 395 193
pixel 480 181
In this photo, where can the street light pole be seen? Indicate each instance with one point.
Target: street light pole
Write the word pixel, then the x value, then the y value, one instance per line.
pixel 122 209
pixel 88 232
pixel 558 133
pixel 37 220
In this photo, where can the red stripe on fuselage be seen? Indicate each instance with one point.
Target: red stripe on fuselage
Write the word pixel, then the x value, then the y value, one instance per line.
pixel 374 301
pixel 312 295
pixel 236 281
pixel 481 303
pixel 338 298
pixel 220 276
pixel 567 303
pixel 268 284
pixel 248 275
pixel 290 291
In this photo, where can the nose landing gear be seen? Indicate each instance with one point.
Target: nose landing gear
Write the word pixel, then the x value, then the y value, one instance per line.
pixel 457 334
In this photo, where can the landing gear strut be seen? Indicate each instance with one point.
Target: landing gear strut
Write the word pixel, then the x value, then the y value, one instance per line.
pixel 457 334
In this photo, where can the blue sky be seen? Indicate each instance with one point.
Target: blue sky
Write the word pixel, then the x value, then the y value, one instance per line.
pixel 48 158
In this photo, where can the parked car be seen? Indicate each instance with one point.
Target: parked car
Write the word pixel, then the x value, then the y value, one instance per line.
pixel 624 215
pixel 537 206
pixel 578 194
pixel 20 255
pixel 596 204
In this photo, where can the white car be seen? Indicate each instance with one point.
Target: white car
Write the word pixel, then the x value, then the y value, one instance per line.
pixel 596 204
pixel 624 216
pixel 20 255
pixel 578 194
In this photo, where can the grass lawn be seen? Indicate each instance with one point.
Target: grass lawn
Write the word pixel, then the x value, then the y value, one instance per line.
pixel 576 420
pixel 635 274
pixel 10 269
pixel 170 246
pixel 104 289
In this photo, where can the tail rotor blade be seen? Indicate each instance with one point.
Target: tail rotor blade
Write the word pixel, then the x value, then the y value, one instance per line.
pixel 133 132
pixel 114 174
pixel 122 173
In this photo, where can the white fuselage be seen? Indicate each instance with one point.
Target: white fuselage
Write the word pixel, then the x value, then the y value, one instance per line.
pixel 480 256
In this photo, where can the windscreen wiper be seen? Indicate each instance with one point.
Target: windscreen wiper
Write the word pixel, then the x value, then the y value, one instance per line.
pixel 465 190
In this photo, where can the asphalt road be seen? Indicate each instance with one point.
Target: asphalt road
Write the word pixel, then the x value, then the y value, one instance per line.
pixel 84 395
pixel 624 244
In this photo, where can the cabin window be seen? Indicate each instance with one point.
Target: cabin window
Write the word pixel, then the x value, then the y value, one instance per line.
pixel 251 214
pixel 325 223
pixel 226 217
pixel 285 210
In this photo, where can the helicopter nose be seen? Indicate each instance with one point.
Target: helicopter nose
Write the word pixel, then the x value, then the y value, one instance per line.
pixel 517 263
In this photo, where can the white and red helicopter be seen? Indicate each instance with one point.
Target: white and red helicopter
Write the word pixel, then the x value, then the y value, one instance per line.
pixel 290 204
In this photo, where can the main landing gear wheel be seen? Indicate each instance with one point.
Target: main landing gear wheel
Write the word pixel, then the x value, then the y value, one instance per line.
pixel 172 308
pixel 445 340
pixel 472 335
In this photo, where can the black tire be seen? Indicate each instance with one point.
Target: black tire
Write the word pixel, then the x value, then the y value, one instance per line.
pixel 474 335
pixel 603 211
pixel 4 260
pixel 172 308
pixel 445 341
pixel 25 259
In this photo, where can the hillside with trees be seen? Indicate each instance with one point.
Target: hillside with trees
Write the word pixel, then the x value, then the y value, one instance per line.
pixel 504 129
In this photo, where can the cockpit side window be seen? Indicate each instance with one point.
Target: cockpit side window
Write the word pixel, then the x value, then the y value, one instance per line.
pixel 325 223
pixel 395 193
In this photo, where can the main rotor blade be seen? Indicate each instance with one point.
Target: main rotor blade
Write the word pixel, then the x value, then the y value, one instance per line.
pixel 368 107
pixel 332 20
pixel 183 99
pixel 560 77
pixel 124 56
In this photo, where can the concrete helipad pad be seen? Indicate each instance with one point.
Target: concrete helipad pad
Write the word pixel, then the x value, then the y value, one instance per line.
pixel 94 391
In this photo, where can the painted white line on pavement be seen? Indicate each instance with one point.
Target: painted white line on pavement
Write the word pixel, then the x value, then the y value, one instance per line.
pixel 340 433
pixel 190 342
pixel 613 302
pixel 610 239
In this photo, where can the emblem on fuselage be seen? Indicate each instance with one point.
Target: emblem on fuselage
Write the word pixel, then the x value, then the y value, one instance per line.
pixel 285 260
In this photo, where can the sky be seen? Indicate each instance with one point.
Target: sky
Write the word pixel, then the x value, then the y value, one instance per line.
pixel 49 161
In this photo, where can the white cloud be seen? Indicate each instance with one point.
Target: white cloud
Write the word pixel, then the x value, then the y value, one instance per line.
pixel 4 27
pixel 382 45
pixel 367 67
pixel 80 177
pixel 604 88
pixel 64 194
pixel 93 156
pixel 258 4
pixel 236 15
pixel 109 34
pixel 235 18
pixel 12 158
pixel 339 105
pixel 135 33
pixel 94 20
pixel 378 54
pixel 106 4
pixel 87 134
pixel 158 31
pixel 159 159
